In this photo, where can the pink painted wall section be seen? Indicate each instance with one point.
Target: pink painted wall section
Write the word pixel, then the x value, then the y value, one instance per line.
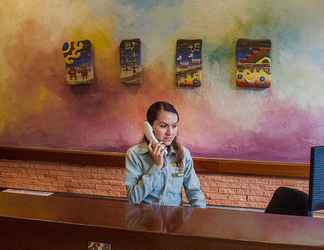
pixel 217 119
pixel 220 190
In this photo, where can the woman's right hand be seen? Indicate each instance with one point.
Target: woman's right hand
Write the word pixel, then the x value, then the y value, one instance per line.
pixel 157 153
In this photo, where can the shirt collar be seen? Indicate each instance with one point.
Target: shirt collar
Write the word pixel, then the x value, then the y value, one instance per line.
pixel 142 148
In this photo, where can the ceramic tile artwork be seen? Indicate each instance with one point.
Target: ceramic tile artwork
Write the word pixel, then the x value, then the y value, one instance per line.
pixel 130 62
pixel 253 63
pixel 92 245
pixel 78 62
pixel 188 63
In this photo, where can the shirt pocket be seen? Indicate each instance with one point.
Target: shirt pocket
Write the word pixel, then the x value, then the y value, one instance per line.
pixel 176 183
pixel 158 182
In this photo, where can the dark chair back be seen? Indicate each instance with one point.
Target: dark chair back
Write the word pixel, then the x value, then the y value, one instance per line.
pixel 289 201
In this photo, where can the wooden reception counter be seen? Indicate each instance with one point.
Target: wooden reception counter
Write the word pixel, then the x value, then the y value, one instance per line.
pixel 69 223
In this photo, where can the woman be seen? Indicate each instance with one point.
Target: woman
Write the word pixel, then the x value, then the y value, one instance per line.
pixel 156 172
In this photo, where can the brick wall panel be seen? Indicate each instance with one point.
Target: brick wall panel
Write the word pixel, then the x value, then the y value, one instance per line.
pixel 222 190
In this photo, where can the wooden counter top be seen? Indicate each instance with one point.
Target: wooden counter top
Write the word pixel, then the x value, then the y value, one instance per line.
pixel 209 226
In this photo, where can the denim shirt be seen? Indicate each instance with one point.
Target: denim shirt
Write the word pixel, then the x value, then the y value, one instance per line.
pixel 147 183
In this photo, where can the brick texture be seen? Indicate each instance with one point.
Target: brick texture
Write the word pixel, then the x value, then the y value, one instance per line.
pixel 220 190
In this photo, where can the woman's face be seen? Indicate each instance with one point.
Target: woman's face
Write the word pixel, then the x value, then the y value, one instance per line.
pixel 166 127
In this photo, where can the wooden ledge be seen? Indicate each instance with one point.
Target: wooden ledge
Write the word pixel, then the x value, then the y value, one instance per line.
pixel 117 160
pixel 250 167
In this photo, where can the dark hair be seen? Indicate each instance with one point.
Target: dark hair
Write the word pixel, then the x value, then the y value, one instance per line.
pixel 152 115
pixel 155 109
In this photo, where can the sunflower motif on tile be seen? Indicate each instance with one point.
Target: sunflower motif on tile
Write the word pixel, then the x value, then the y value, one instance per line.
pixel 78 62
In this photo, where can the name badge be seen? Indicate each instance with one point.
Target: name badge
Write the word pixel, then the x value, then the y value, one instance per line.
pixel 177 174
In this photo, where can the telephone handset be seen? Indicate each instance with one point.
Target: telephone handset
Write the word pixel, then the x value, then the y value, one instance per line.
pixel 149 134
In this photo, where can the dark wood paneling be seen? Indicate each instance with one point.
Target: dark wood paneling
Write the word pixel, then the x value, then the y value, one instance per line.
pixel 202 165
pixel 244 167
pixel 91 158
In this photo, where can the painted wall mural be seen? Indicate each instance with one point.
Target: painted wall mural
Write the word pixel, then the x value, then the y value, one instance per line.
pixel 217 119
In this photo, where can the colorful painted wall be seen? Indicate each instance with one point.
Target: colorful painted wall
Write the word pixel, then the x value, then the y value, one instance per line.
pixel 37 108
